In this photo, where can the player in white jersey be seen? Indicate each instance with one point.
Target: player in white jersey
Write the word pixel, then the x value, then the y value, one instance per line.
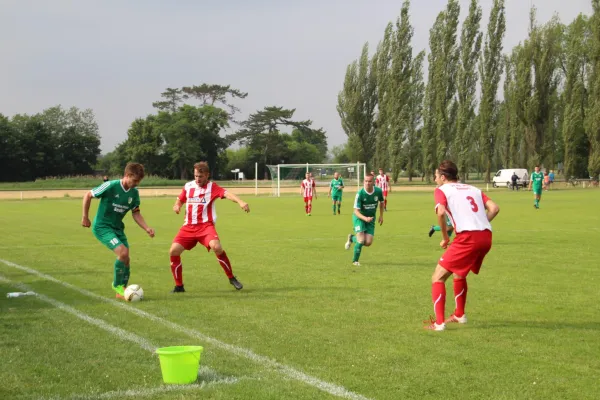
pixel 199 196
pixel 383 182
pixel 308 191
pixel 470 212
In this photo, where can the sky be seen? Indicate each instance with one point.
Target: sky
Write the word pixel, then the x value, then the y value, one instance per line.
pixel 117 56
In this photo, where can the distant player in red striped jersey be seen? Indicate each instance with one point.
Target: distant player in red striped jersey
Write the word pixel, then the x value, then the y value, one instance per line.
pixel 470 212
pixel 383 182
pixel 199 197
pixel 308 191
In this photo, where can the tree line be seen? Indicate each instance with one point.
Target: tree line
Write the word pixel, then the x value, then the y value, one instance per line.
pixel 55 142
pixel 546 112
pixel 188 126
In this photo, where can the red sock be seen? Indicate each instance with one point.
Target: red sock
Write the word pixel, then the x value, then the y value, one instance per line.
pixel 385 203
pixel 438 295
pixel 306 208
pixel 177 270
pixel 310 208
pixel 460 296
pixel 225 264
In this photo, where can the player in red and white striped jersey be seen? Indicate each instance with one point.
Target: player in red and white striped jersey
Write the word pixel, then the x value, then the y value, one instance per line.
pixel 470 212
pixel 383 182
pixel 308 190
pixel 199 197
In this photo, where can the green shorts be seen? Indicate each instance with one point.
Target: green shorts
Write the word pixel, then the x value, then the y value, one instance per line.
pixel 361 226
pixel 337 197
pixel 111 238
pixel 537 191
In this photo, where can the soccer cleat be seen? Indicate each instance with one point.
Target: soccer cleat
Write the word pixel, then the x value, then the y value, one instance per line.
pixel 178 289
pixel 119 296
pixel 338 211
pixel 356 264
pixel 348 242
pixel 308 215
pixel 236 284
pixel 433 326
pixel 120 289
pixel 431 231
pixel 454 319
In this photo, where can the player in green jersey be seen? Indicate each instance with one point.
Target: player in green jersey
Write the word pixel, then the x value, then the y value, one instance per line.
pixel 536 181
pixel 335 191
pixel 116 199
pixel 363 219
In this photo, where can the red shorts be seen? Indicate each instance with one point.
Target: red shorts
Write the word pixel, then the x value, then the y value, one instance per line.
pixel 385 193
pixel 307 199
pixel 189 235
pixel 466 253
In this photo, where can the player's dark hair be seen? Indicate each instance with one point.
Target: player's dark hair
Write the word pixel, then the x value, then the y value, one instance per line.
pixel 135 169
pixel 202 166
pixel 448 169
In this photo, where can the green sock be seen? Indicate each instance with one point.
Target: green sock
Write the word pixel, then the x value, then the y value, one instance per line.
pixel 357 250
pixel 437 228
pixel 339 206
pixel 334 208
pixel 354 239
pixel 119 273
pixel 126 276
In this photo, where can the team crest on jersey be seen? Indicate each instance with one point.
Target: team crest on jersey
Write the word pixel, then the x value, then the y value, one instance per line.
pixel 202 200
pixel 130 200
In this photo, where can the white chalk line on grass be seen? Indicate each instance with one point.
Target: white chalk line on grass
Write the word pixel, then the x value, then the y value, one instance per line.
pixel 124 335
pixel 286 370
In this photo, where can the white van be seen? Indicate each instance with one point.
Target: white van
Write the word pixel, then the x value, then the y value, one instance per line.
pixel 503 177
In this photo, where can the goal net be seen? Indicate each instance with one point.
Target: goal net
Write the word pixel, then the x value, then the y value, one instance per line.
pixel 286 178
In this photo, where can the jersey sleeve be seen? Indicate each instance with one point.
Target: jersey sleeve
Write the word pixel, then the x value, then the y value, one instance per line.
pixel 101 190
pixel 314 184
pixel 302 185
pixel 357 202
pixel 217 191
pixel 380 196
pixel 182 196
pixel 135 204
pixel 440 199
pixel 341 182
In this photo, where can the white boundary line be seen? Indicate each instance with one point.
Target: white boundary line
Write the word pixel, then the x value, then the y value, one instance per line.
pixel 286 370
pixel 124 335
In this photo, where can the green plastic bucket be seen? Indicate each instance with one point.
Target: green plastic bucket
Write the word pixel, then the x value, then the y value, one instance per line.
pixel 179 364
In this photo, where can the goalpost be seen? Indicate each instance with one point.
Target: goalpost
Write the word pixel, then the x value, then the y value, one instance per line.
pixel 286 178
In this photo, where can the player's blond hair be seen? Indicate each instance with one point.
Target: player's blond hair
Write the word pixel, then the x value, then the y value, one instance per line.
pixel 135 169
pixel 202 166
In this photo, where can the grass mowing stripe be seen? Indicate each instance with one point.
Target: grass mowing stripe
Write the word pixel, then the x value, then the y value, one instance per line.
pixel 288 371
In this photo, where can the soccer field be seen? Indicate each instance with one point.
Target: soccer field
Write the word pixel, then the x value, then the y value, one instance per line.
pixel 308 324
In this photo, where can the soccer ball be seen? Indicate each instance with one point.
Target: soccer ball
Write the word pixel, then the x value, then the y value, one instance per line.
pixel 134 293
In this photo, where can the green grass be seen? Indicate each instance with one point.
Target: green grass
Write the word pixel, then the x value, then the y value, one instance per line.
pixel 533 318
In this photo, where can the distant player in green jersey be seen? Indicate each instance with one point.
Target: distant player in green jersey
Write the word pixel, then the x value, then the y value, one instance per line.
pixel 335 191
pixel 363 219
pixel 536 182
pixel 116 199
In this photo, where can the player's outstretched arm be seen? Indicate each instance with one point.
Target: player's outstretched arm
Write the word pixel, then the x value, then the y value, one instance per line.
pixel 491 210
pixel 85 219
pixel 177 206
pixel 243 205
pixel 137 217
